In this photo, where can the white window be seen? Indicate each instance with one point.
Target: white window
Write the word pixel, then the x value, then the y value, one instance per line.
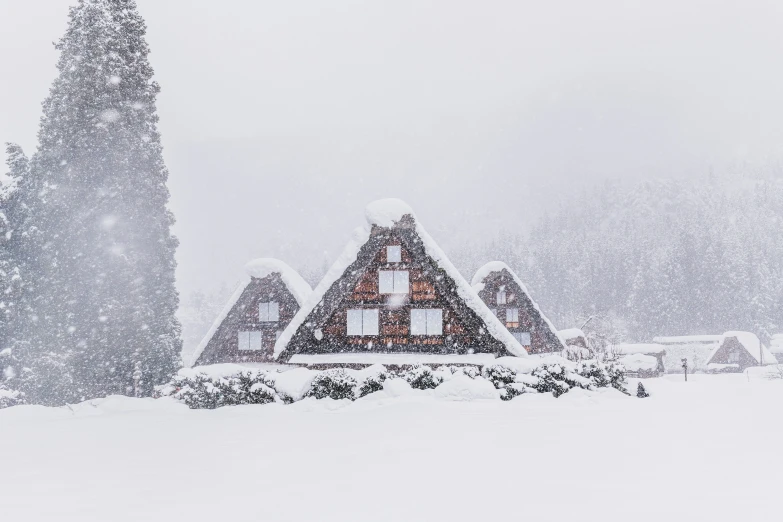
pixel 268 312
pixel 522 337
pixel 394 254
pixel 427 321
pixel 250 341
pixel 733 356
pixel 363 322
pixel 512 317
pixel 393 281
pixel 501 296
pixel 494 311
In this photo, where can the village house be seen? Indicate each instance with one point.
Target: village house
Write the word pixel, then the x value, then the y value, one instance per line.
pixel 509 300
pixel 696 349
pixel 258 311
pixel 393 297
pixel 642 359
pixel 738 351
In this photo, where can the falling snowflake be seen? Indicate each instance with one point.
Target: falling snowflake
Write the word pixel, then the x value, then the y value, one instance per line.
pixel 110 115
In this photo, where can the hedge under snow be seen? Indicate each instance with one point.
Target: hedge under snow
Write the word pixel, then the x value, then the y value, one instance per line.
pixel 228 385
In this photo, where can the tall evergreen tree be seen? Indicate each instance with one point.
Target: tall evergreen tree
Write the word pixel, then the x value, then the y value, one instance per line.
pixel 105 297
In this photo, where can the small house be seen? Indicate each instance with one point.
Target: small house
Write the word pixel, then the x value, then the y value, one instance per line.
pixel 696 349
pixel 393 297
pixel 509 300
pixel 577 346
pixel 642 360
pixel 738 351
pixel 262 306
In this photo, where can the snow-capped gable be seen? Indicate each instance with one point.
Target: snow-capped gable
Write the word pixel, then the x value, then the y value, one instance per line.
pixel 258 268
pixel 389 213
pixel 752 345
pixel 266 266
pixel 498 266
pixel 338 268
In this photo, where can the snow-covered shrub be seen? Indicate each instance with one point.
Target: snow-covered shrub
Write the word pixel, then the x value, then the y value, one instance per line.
pixel 512 390
pixel 554 378
pixel 335 383
pixel 206 392
pixel 641 392
pixel 499 375
pixel 470 371
pixel 9 397
pixel 373 382
pixel 616 373
pixel 250 388
pixel 599 377
pixel 421 377
pixel 603 375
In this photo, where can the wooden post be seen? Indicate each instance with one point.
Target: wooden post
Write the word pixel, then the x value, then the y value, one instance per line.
pixel 685 367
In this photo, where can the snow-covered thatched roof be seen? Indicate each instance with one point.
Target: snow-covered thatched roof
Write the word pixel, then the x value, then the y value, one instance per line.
pixel 259 269
pixel 498 266
pixel 640 348
pixel 571 333
pixel 689 339
pixel 388 213
pixel 752 345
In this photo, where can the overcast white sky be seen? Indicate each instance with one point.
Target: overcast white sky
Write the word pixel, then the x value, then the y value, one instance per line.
pixel 281 120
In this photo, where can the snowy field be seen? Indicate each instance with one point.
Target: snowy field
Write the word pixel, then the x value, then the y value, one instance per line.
pixel 708 449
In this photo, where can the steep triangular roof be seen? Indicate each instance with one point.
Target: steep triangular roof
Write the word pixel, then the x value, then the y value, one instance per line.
pixel 384 217
pixel 259 269
pixel 494 267
pixel 751 343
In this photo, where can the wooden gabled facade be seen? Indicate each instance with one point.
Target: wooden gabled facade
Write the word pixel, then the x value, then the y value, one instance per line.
pixel 255 316
pixel 503 292
pixel 395 298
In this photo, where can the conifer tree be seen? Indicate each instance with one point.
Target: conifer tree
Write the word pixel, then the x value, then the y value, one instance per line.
pixel 105 296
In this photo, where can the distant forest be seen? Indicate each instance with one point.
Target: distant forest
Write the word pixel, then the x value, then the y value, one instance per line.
pixel 662 257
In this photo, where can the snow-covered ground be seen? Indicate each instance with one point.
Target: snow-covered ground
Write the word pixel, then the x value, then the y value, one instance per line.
pixel 708 449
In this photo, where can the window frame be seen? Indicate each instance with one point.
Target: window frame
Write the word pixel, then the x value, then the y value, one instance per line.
pixel 397 281
pixel 397 249
pixel 368 321
pixel 512 322
pixel 427 321
pixel 269 314
pixel 249 336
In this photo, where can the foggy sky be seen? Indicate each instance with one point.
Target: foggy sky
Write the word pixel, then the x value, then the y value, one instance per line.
pixel 281 120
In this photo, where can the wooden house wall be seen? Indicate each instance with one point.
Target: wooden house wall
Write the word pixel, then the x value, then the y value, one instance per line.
pixel 244 316
pixel 542 338
pixel 428 288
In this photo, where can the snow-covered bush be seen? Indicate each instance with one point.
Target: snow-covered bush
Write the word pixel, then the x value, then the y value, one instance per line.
pixel 512 390
pixel 9 397
pixel 616 373
pixel 470 371
pixel 603 375
pixel 206 392
pixel 557 379
pixel 641 392
pixel 335 383
pixel 421 377
pixel 499 375
pixel 373 382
